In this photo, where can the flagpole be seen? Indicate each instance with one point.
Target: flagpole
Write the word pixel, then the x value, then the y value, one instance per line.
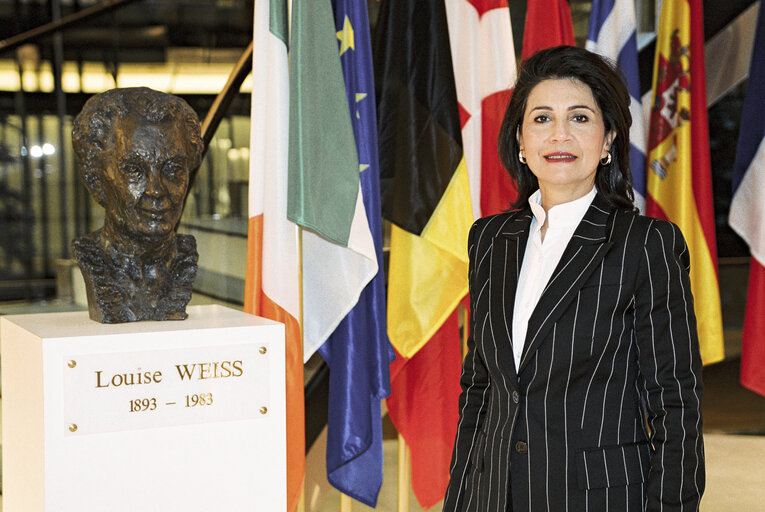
pixel 345 503
pixel 403 475
pixel 299 234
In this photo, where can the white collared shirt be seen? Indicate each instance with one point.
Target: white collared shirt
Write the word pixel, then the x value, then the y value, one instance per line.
pixel 541 258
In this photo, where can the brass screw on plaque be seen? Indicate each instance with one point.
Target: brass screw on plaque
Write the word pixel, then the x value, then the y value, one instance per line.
pixel 263 350
pixel 263 410
pixel 73 428
pixel 72 363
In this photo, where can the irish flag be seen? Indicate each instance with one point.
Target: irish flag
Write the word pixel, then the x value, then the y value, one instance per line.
pixel 271 288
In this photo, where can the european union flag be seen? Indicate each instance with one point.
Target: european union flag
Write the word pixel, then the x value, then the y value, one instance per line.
pixel 358 351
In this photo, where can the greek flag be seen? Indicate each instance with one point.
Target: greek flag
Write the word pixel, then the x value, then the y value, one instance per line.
pixel 613 34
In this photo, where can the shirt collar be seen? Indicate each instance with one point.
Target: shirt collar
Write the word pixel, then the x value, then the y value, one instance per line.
pixel 561 215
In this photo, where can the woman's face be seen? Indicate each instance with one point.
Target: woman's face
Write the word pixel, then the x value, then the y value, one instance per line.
pixel 563 137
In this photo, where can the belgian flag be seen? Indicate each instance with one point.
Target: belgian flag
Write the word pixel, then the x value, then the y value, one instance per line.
pixel 423 177
pixel 426 196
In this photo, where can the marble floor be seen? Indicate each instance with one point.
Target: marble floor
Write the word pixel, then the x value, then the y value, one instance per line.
pixel 735 479
pixel 735 473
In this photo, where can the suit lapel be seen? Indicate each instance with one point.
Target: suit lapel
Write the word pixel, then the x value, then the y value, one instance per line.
pixel 507 251
pixel 582 255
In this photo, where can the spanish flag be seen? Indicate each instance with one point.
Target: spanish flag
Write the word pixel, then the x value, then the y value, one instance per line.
pixel 679 179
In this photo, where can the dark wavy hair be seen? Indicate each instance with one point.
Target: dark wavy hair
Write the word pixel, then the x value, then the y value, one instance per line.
pixel 613 181
pixel 93 128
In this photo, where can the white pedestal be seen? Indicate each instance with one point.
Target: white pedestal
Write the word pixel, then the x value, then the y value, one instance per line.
pixel 148 416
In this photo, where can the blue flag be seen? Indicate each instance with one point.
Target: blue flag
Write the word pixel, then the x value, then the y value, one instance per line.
pixel 358 351
pixel 613 34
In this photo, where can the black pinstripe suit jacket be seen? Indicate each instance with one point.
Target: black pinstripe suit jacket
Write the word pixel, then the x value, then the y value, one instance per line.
pixel 603 413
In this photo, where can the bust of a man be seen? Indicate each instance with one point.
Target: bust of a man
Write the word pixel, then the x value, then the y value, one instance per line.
pixel 136 148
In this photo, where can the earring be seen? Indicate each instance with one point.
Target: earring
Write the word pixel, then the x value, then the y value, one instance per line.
pixel 521 157
pixel 606 160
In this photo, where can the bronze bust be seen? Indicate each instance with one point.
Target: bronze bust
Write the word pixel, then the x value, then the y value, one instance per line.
pixel 136 148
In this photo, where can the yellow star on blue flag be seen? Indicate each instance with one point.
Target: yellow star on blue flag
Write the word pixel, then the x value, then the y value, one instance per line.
pixel 346 36
pixel 359 96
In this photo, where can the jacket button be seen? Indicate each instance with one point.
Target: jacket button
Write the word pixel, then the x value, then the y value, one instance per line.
pixel 521 447
pixel 516 397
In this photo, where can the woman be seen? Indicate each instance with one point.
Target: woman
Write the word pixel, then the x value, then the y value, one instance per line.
pixel 582 383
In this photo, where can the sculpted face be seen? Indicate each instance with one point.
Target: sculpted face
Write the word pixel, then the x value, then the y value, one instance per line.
pixel 145 177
